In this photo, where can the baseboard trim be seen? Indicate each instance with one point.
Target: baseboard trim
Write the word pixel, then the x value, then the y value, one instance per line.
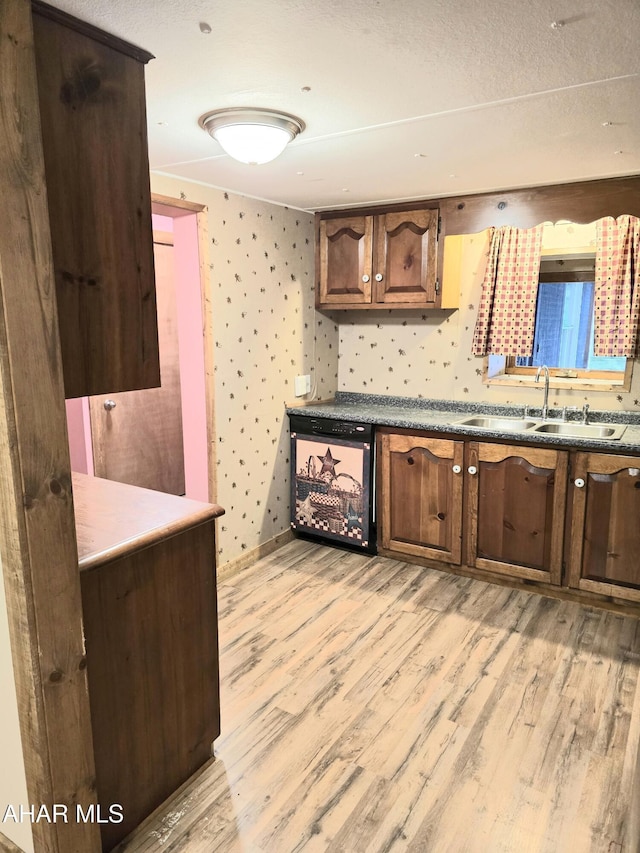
pixel 234 567
pixel 588 599
pixel 7 846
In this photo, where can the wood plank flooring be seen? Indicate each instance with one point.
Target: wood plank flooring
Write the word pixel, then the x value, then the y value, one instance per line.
pixel 370 705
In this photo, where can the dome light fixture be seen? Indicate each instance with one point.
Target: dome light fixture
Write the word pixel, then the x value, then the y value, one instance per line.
pixel 252 136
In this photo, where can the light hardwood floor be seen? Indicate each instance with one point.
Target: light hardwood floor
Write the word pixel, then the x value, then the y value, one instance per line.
pixel 371 705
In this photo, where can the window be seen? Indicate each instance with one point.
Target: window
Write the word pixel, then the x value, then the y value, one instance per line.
pixel 564 331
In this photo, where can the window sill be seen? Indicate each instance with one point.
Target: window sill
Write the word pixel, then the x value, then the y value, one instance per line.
pixel 558 382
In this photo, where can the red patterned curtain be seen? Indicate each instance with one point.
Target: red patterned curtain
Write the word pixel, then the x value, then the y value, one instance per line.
pixel 507 312
pixel 617 287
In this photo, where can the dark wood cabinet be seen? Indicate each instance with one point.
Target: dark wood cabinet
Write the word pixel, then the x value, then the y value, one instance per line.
pixel 405 269
pixel 605 525
pixel 421 489
pixel 93 116
pixel 383 261
pixel 513 512
pixel 516 503
pixel 148 582
pixel 345 261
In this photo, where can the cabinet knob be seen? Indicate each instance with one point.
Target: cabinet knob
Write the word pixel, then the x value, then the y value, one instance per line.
pixel 379 276
pixel 472 469
pixel 365 278
pixel 109 404
pixel 456 469
pixel 579 483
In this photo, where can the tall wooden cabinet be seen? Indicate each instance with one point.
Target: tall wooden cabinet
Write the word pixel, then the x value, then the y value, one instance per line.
pixel 93 116
pixel 384 261
pixel 605 525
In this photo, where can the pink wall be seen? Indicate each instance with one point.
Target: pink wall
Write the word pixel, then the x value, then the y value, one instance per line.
pixel 192 372
pixel 191 343
pixel 161 223
pixel 79 427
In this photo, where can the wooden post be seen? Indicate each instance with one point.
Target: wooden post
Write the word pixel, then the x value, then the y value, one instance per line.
pixel 37 530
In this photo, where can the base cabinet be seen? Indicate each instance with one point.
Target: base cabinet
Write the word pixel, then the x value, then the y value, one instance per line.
pixel 504 503
pixel 516 511
pixel 148 583
pixel 515 507
pixel 605 525
pixel 152 663
pixel 421 486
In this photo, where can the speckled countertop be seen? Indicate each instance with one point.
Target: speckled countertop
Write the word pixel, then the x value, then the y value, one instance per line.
pixel 441 415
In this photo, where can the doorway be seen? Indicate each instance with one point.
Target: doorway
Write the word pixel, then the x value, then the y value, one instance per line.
pixel 162 438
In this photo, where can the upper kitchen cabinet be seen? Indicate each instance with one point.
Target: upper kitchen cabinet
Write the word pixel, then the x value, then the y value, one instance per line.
pixel 93 116
pixel 388 260
pixel 345 261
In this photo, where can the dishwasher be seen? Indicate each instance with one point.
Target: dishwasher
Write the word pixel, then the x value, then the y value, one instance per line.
pixel 332 481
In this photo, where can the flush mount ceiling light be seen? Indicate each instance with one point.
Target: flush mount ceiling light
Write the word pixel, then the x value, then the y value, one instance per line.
pixel 252 136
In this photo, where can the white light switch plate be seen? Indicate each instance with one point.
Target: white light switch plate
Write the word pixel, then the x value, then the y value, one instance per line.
pixel 302 385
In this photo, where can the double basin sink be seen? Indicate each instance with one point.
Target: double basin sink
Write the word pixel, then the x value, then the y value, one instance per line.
pixel 605 432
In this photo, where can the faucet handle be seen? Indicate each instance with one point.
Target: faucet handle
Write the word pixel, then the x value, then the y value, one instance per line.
pixel 585 413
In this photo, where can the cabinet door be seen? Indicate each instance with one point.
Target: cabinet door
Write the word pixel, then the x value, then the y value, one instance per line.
pixel 421 488
pixel 405 257
pixel 345 247
pixel 605 528
pixel 93 117
pixel 516 500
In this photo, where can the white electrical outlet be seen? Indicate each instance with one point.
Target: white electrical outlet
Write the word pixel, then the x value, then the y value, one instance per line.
pixel 302 385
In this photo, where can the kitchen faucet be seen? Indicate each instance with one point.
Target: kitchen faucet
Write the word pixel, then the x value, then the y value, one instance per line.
pixel 545 404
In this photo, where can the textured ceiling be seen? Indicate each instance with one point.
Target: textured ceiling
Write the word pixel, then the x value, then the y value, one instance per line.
pixel 407 98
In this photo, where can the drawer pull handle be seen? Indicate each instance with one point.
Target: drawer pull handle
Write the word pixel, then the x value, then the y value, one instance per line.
pixel 579 483
pixel 365 278
pixel 379 276
pixel 472 469
pixel 456 469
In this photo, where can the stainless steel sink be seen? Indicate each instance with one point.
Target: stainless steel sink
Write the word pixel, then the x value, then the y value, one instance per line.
pixel 609 432
pixel 497 424
pixel 605 431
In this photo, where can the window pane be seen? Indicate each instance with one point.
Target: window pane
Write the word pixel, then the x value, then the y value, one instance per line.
pixel 564 329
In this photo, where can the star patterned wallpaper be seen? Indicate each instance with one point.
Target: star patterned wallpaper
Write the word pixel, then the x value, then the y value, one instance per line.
pixel 266 330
